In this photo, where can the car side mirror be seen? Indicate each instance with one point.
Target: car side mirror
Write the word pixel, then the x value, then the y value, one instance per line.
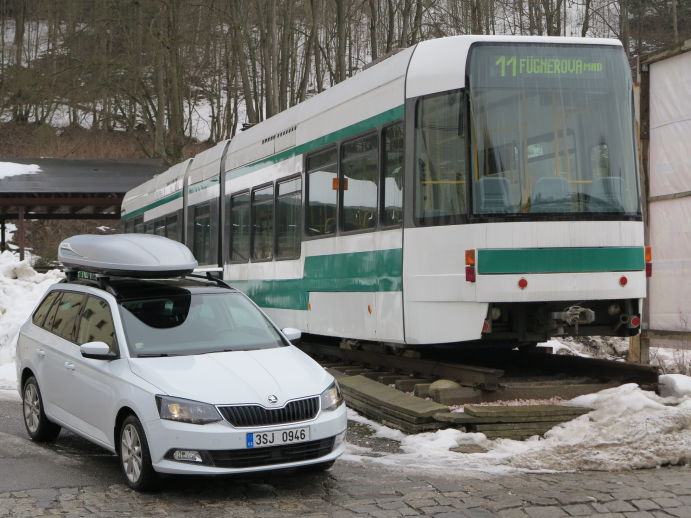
pixel 97 351
pixel 291 333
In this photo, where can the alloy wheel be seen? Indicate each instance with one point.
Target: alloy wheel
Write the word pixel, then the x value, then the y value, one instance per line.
pixel 32 407
pixel 131 453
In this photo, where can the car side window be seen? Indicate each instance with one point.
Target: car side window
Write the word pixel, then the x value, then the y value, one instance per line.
pixel 43 308
pixel 96 324
pixel 50 317
pixel 68 309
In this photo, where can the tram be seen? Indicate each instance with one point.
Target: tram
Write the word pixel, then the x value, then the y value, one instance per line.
pixel 479 190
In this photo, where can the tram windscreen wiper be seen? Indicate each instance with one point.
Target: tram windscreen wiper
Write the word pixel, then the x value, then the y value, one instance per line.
pixel 551 205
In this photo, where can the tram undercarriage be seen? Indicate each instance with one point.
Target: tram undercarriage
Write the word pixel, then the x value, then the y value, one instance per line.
pixel 526 322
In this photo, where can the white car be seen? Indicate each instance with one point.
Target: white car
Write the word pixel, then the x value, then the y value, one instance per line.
pixel 175 375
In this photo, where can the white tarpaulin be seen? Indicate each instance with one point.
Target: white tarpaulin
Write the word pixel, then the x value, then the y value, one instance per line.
pixel 670 174
pixel 670 126
pixel 670 286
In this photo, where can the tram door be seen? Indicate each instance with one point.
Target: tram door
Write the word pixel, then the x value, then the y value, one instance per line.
pixel 439 304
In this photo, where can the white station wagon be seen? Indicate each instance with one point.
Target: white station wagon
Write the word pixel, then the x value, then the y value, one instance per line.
pixel 172 372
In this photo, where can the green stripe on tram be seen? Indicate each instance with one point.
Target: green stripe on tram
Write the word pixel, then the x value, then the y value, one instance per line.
pixel 560 260
pixel 157 203
pixel 381 119
pixel 374 271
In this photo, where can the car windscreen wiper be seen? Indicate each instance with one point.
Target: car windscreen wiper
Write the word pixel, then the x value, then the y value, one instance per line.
pixel 155 355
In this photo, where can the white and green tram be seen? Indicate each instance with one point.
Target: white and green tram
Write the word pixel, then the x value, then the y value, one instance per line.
pixel 468 189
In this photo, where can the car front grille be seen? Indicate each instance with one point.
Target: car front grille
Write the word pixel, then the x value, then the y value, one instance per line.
pixel 253 457
pixel 255 415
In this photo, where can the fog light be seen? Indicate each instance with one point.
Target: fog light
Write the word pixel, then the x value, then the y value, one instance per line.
pixel 187 456
pixel 340 439
pixel 635 321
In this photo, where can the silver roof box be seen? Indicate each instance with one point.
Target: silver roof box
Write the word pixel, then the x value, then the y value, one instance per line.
pixel 129 255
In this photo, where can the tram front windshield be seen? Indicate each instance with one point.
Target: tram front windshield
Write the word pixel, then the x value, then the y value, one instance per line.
pixel 551 131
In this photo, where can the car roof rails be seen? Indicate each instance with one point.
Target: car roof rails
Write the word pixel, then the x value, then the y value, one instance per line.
pixel 209 276
pixel 103 281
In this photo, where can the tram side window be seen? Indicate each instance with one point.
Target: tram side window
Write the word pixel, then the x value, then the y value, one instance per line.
pixel 359 182
pixel 149 227
pixel 393 159
pixel 322 170
pixel 160 227
pixel 440 168
pixel 240 227
pixel 263 223
pixel 288 208
pixel 138 225
pixel 201 246
pixel 172 227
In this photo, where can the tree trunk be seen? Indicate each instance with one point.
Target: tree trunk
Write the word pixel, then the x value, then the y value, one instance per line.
pixel 586 19
pixel 18 113
pixel 373 21
pixel 391 10
pixel 309 51
pixel 340 74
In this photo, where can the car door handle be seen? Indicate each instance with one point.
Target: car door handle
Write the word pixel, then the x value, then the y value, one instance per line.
pixel 40 353
pixel 69 366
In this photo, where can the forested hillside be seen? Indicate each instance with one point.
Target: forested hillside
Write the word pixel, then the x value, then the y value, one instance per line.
pixel 167 72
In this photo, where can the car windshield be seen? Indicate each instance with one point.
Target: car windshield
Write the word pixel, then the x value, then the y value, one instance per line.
pixel 185 323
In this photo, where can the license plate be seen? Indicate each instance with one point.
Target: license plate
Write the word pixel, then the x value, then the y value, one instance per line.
pixel 266 439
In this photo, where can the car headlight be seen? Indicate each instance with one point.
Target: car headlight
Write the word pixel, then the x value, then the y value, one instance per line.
pixel 186 411
pixel 331 398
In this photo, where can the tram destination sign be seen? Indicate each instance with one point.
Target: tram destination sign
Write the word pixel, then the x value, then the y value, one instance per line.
pixel 529 65
pixel 571 66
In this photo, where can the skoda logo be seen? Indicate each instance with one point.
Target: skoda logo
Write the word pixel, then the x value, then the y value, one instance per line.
pixel 272 399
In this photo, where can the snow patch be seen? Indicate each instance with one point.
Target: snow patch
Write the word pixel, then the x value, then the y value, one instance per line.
pixel 561 348
pixel 379 429
pixel 8 169
pixel 628 428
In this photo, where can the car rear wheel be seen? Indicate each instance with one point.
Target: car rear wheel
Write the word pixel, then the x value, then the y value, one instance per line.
pixel 39 428
pixel 135 459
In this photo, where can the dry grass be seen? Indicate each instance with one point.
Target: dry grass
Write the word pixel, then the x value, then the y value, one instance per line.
pixel 43 141
pixel 671 361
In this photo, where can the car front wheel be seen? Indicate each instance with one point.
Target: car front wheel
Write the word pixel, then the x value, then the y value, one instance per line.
pixel 39 428
pixel 135 459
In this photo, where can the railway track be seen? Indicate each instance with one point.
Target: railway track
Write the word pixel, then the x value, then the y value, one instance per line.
pixel 407 392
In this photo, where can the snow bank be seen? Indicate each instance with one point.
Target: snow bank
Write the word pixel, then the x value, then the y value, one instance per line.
pixel 628 428
pixel 675 386
pixel 20 290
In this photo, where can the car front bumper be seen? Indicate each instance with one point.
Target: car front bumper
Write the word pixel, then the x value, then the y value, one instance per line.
pixel 221 440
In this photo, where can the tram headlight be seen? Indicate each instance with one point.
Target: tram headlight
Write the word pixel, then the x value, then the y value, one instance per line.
pixel 331 398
